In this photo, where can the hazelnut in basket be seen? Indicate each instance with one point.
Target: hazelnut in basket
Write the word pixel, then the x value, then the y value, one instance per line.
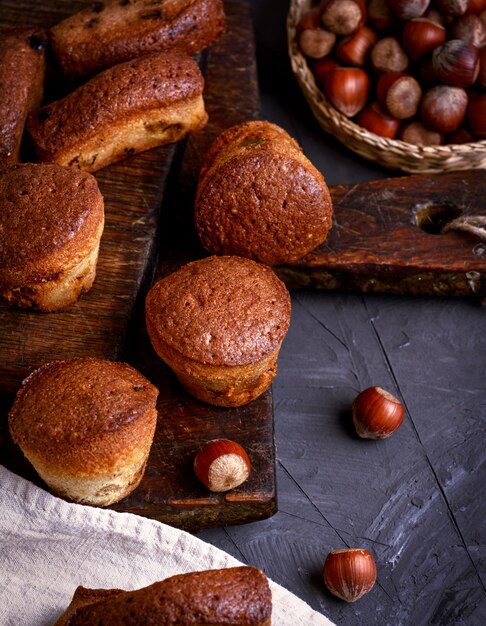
pixel 403 85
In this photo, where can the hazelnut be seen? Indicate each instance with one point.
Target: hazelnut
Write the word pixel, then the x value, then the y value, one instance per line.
pixel 222 465
pixel 387 55
pixel 376 413
pixel 456 63
pixel 399 94
pixel 375 120
pixel 421 36
pixel 350 573
pixel 342 17
pixel 347 89
pixel 408 9
pixel 416 133
pixel 354 49
pixel 443 108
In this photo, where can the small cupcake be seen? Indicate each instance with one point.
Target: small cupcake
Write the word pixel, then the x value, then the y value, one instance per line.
pixel 219 323
pixel 87 426
pixel 258 196
pixel 51 224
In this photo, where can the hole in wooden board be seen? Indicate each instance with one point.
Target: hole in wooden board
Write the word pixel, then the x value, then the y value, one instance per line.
pixel 432 218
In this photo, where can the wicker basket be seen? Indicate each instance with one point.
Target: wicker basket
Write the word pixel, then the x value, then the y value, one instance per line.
pixel 391 153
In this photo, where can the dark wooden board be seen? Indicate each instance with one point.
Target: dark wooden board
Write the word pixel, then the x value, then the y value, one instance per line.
pixel 377 245
pixel 108 321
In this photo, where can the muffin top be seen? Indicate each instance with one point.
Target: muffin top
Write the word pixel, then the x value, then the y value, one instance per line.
pixel 50 219
pixel 220 310
pixel 259 196
pixel 65 405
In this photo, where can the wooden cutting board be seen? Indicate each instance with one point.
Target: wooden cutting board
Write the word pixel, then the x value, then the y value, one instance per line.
pixel 386 237
pixel 148 203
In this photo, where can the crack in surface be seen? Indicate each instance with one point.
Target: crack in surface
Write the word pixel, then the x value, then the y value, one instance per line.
pixel 429 462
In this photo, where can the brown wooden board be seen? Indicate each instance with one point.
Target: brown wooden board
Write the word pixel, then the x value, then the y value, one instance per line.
pixel 108 321
pixel 376 242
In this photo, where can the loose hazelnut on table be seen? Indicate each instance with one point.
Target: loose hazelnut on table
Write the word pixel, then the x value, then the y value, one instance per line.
pixel 376 413
pixel 349 573
pixel 221 465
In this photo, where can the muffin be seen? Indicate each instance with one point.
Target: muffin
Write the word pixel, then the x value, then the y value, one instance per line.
pixel 126 109
pixel 236 596
pixel 51 224
pixel 258 196
pixel 107 33
pixel 219 323
pixel 22 73
pixel 87 426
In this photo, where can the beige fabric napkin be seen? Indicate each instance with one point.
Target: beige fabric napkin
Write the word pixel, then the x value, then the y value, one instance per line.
pixel 48 547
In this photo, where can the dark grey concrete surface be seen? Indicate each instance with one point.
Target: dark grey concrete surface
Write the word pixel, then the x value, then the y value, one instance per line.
pixel 418 499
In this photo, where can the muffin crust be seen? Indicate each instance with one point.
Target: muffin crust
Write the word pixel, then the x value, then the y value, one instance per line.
pixel 220 311
pixel 126 109
pixel 22 72
pixel 258 196
pixel 108 33
pixel 238 596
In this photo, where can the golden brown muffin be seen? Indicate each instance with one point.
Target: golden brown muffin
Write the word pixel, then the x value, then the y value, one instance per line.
pixel 126 109
pixel 258 196
pixel 87 426
pixel 22 72
pixel 51 222
pixel 237 596
pixel 219 323
pixel 107 33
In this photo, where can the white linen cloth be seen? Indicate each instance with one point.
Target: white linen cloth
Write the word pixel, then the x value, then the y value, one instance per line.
pixel 48 547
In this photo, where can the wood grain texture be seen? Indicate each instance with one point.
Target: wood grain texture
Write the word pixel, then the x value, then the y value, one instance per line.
pixel 154 192
pixel 377 245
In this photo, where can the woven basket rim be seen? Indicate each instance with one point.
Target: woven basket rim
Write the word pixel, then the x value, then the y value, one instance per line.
pixel 418 157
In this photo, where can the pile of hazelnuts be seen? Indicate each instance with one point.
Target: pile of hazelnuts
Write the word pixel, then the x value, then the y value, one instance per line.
pixel 413 70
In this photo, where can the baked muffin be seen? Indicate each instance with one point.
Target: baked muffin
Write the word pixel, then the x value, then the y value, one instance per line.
pixel 86 425
pixel 51 223
pixel 22 73
pixel 219 323
pixel 236 596
pixel 126 109
pixel 258 196
pixel 107 33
